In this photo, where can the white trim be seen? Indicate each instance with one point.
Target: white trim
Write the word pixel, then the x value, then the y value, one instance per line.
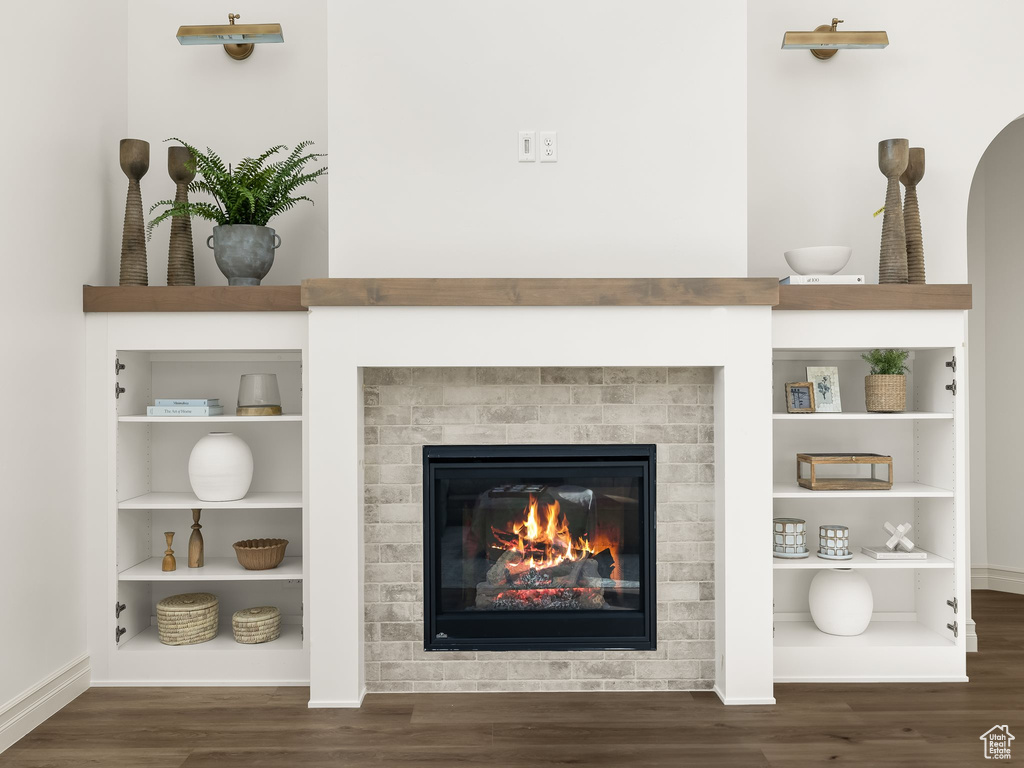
pixel 204 683
pixel 40 702
pixel 738 702
pixel 998 578
pixel 972 636
pixel 338 704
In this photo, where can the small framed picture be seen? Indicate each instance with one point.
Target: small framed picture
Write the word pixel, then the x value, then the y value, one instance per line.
pixel 800 397
pixel 825 379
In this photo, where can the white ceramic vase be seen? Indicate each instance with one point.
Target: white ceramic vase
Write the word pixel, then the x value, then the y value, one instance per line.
pixel 841 601
pixel 220 467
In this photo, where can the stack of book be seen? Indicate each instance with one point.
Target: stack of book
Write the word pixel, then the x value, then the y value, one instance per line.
pixel 822 280
pixel 202 406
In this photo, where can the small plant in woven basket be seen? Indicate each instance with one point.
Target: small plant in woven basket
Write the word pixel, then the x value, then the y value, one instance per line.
pixel 885 388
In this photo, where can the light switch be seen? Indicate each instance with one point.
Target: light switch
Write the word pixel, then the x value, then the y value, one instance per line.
pixel 527 146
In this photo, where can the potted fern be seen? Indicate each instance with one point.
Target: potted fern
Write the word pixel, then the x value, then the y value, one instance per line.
pixel 885 388
pixel 245 199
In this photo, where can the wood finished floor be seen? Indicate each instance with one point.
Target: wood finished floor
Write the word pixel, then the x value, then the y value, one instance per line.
pixel 812 725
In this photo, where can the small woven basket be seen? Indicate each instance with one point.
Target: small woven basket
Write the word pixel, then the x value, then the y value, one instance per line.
pixel 885 393
pixel 256 625
pixel 260 554
pixel 187 619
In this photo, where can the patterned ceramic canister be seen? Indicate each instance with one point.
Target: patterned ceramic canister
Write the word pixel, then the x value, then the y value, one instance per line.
pixel 789 536
pixel 834 540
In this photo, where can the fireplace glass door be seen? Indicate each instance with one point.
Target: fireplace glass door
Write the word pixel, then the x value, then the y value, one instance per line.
pixel 539 547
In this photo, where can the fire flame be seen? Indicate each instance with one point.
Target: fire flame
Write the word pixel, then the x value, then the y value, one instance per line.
pixel 548 542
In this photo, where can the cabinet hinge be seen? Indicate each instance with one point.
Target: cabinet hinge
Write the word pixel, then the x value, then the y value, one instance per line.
pixel 954 604
pixel 118 366
pixel 954 628
pixel 118 607
pixel 118 391
pixel 952 387
pixel 952 363
pixel 118 631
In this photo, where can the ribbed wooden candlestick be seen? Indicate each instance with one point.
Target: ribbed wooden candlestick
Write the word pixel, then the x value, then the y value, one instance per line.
pixel 893 156
pixel 134 163
pixel 195 542
pixel 912 216
pixel 181 267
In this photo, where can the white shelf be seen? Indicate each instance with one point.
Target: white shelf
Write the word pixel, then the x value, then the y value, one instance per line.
pixel 848 416
pixel 225 419
pixel 898 491
pixel 188 500
pixel 879 634
pixel 149 640
pixel 216 569
pixel 859 561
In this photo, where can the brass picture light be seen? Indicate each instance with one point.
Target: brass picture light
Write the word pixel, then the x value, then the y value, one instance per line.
pixel 238 39
pixel 825 40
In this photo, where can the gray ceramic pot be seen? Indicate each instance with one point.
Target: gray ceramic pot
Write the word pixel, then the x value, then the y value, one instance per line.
pixel 244 252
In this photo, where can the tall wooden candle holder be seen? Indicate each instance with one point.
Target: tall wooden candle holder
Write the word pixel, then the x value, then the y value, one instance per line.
pixel 195 542
pixel 912 216
pixel 134 163
pixel 893 156
pixel 181 266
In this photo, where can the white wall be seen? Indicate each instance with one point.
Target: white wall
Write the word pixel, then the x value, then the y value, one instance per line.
pixel 976 348
pixel 1001 271
pixel 426 100
pixel 949 81
pixel 198 93
pixel 61 104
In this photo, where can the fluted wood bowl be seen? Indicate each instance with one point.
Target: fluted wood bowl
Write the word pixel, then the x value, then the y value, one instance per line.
pixel 260 554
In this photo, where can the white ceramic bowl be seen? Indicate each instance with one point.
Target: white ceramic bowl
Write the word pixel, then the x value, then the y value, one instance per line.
pixel 819 260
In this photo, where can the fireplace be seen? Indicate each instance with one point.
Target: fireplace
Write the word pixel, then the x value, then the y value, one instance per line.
pixel 547 547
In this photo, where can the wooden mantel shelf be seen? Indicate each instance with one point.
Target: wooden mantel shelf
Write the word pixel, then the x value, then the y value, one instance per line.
pixel 539 292
pixel 899 296
pixel 199 298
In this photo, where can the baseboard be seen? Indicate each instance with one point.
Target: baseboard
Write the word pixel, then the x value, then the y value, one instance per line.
pixel 199 683
pixel 972 636
pixel 998 578
pixel 732 701
pixel 873 679
pixel 338 703
pixel 33 707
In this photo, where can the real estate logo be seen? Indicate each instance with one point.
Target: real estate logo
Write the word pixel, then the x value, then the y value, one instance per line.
pixel 997 742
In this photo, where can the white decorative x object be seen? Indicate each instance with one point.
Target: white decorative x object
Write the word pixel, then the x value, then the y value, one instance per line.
pixel 899 537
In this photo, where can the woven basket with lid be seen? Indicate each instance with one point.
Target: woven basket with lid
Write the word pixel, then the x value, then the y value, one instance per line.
pixel 187 619
pixel 256 625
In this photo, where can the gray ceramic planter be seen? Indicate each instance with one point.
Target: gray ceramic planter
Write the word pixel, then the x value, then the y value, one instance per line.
pixel 244 252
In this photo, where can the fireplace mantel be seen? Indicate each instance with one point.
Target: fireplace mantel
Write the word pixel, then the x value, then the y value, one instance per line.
pixel 541 292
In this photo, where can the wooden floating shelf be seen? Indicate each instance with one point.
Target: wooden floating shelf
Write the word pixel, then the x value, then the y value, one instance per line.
pixel 226 419
pixel 149 640
pixel 859 561
pixel 216 569
pixel 906 416
pixel 868 297
pixel 898 491
pixel 188 500
pixel 198 298
pixel 540 292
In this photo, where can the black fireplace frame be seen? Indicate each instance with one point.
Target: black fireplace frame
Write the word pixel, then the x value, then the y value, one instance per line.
pixel 542 631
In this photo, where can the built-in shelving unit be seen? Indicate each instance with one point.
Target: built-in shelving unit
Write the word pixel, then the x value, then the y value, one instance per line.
pixel 914 600
pixel 143 488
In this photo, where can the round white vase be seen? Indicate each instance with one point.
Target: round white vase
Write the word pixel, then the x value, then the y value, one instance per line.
pixel 841 601
pixel 220 467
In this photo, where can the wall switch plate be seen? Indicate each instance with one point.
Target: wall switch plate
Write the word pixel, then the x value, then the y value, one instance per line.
pixel 549 146
pixel 527 146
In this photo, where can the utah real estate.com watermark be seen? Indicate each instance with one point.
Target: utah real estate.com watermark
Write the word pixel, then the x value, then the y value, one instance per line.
pixel 997 742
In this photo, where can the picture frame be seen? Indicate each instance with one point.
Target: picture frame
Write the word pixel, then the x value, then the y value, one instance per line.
pixel 800 397
pixel 826 388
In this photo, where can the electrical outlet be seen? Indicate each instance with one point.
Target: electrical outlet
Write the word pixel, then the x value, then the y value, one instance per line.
pixel 549 146
pixel 527 146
